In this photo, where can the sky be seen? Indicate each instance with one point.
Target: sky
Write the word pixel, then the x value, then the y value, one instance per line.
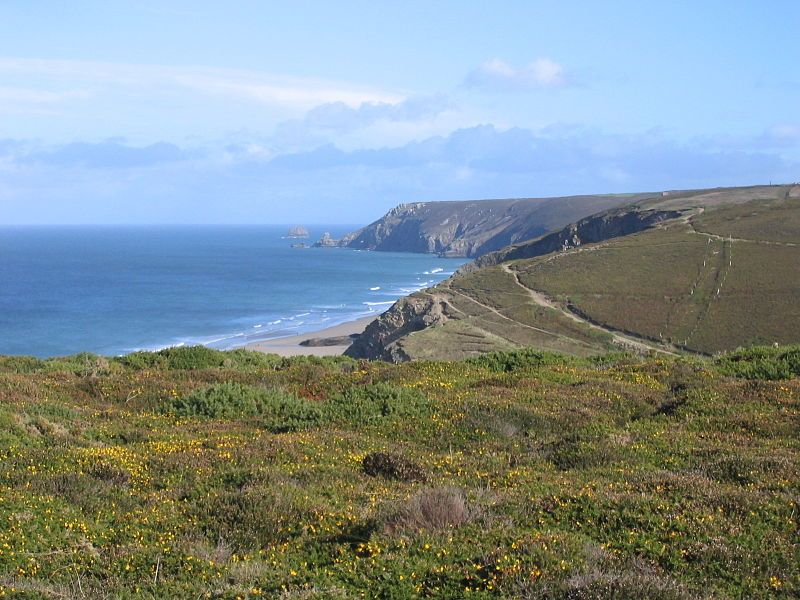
pixel 161 112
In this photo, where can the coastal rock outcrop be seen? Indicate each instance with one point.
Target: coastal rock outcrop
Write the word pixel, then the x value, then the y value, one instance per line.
pixel 382 338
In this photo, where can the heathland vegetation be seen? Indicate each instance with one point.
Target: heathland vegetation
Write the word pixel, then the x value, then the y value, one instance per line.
pixel 192 473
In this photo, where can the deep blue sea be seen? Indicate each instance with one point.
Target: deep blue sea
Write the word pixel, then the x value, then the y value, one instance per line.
pixel 113 290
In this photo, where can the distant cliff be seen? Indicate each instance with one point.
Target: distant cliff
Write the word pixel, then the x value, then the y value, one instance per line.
pixel 474 227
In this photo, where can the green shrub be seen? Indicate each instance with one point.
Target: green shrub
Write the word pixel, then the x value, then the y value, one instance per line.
pixel 141 360
pixel 586 447
pixel 762 362
pixel 242 359
pixel 183 358
pixel 192 357
pixel 201 357
pixel 287 362
pixel 513 360
pixel 370 403
pixel 276 410
pixel 84 364
pixel 255 517
pixel 20 364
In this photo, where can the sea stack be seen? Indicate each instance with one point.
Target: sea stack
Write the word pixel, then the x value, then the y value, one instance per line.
pixel 326 241
pixel 298 231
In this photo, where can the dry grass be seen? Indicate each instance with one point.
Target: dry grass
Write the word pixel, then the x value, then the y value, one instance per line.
pixel 430 509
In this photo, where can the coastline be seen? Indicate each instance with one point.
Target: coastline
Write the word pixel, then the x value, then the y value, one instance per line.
pixel 291 345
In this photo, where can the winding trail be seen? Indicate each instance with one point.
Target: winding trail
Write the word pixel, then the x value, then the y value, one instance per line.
pixel 502 316
pixel 722 238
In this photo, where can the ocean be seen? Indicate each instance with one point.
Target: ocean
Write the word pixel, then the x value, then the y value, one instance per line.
pixel 113 290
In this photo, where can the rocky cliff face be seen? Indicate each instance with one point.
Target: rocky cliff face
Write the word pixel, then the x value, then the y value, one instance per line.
pixel 382 338
pixel 472 228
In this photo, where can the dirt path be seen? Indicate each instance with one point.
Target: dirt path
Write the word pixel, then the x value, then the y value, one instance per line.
pixel 619 339
pixel 502 316
pixel 722 238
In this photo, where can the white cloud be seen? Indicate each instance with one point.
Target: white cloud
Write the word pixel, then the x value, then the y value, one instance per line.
pixel 496 74
pixel 336 121
pixel 255 86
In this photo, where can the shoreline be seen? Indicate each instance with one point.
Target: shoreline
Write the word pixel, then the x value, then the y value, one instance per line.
pixel 291 345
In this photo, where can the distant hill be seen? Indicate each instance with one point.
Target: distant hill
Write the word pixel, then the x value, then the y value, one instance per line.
pixel 702 271
pixel 471 228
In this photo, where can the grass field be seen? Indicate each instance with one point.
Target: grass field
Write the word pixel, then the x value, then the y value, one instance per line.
pixel 193 473
pixel 766 220
pixel 699 292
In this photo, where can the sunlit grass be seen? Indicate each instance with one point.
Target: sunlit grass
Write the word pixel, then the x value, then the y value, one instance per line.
pixel 230 475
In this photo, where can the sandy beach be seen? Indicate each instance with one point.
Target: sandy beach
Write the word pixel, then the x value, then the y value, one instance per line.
pixel 290 346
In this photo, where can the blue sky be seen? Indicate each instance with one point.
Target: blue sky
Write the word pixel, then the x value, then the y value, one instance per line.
pixel 261 112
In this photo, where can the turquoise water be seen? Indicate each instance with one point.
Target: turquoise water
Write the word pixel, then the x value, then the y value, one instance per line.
pixel 113 290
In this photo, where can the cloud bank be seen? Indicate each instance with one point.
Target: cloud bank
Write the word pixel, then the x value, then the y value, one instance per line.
pixel 113 181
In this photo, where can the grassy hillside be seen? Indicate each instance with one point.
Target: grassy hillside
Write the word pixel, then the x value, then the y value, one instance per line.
pixel 489 311
pixel 193 473
pixel 724 273
pixel 700 285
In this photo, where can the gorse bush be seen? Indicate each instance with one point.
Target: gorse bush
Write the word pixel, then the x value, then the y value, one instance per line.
pixel 513 360
pixel 280 411
pixel 584 448
pixel 84 364
pixel 179 358
pixel 255 516
pixel 762 362
pixel 366 404
pixel 275 409
pixel 21 364
pixel 187 358
pixel 263 477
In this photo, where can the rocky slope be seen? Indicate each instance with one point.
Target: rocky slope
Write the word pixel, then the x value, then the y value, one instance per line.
pixel 473 228
pixel 410 314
